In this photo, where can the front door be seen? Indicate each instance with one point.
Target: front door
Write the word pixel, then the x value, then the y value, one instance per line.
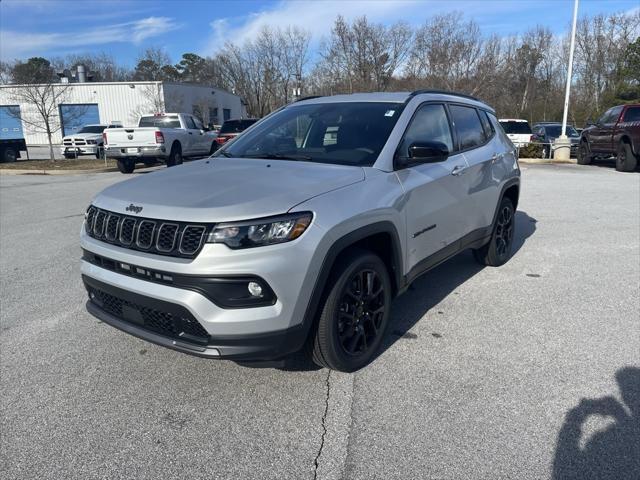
pixel 434 191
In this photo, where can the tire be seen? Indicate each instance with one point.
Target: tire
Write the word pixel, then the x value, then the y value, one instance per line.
pixel 584 156
pixel 626 161
pixel 9 155
pixel 498 250
pixel 69 156
pixel 352 323
pixel 214 147
pixel 175 157
pixel 126 165
pixel 99 153
pixel 547 151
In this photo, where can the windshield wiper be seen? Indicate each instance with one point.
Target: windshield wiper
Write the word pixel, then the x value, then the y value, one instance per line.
pixel 277 156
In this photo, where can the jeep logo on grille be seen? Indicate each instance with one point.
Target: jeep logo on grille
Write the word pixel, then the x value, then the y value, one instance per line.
pixel 133 208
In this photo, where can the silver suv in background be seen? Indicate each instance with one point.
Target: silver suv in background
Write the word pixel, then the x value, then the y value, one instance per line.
pixel 301 231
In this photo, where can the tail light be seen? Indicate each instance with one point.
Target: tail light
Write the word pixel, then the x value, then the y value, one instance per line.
pixel 104 137
pixel 159 137
pixel 532 138
pixel 221 140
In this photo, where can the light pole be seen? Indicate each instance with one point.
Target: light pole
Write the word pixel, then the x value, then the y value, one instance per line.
pixel 562 145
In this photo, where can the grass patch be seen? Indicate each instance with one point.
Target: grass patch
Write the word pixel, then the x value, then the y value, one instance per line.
pixel 66 164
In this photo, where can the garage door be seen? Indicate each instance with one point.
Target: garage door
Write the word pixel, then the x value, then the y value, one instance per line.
pixel 10 125
pixel 76 116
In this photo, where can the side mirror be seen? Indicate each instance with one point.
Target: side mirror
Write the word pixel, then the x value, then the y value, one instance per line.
pixel 589 123
pixel 427 152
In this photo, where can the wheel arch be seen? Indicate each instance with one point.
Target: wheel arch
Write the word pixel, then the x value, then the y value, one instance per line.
pixel 381 238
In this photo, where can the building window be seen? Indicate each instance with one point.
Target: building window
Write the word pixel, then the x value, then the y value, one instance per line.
pixel 197 112
pixel 213 115
pixel 226 113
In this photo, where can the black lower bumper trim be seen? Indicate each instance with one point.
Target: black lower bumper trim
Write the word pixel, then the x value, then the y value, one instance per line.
pixel 256 347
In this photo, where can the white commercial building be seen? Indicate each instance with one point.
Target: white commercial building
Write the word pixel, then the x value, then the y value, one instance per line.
pixel 121 102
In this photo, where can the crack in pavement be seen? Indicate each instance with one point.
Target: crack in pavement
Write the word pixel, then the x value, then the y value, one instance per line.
pixel 324 427
pixel 331 458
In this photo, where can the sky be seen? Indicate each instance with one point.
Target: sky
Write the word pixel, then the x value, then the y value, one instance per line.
pixel 123 28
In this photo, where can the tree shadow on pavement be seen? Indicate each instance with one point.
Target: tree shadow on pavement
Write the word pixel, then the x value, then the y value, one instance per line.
pixel 430 289
pixel 610 454
pixel 423 294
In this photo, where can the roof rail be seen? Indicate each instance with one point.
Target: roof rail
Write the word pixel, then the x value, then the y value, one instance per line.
pixel 308 98
pixel 444 92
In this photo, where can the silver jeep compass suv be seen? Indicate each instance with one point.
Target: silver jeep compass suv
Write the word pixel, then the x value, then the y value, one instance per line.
pixel 301 231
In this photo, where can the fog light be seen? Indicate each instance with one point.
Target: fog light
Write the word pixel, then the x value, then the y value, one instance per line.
pixel 254 289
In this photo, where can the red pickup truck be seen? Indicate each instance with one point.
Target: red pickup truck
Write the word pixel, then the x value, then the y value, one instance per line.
pixel 615 133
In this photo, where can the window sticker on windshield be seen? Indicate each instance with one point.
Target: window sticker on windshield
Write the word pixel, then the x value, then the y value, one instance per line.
pixel 389 113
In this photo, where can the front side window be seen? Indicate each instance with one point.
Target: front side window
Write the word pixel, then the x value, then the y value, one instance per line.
pixel 468 127
pixel 344 133
pixel 429 124
pixel 632 114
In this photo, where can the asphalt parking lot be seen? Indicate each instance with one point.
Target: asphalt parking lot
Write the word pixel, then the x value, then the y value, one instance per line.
pixel 486 373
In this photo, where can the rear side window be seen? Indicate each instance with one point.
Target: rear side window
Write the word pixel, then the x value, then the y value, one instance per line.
pixel 429 124
pixel 189 122
pixel 486 124
pixel 236 126
pixel 468 127
pixel 632 114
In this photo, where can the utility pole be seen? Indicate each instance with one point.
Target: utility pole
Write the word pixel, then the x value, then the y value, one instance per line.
pixel 562 145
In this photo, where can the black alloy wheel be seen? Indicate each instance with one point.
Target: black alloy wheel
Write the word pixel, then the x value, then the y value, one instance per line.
pixel 361 312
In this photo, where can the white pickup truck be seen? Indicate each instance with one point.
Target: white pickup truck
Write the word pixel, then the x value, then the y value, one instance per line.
pixel 169 137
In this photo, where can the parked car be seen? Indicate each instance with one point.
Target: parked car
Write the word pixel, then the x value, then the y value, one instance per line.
pixel 615 133
pixel 286 238
pixel 168 137
pixel 547 132
pixel 86 141
pixel 11 136
pixel 232 128
pixel 518 131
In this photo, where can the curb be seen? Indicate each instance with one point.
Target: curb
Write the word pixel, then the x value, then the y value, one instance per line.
pixel 15 171
pixel 547 161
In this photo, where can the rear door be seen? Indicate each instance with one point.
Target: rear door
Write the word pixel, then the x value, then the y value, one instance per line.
pixel 484 155
pixel 192 143
pixel 434 191
pixel 203 141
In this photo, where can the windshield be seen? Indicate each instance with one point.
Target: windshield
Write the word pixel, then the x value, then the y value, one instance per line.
pixel 554 131
pixel 350 133
pixel 92 129
pixel 236 126
pixel 160 122
pixel 515 127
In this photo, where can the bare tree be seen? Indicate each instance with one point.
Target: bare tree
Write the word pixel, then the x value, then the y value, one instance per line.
pixel 41 112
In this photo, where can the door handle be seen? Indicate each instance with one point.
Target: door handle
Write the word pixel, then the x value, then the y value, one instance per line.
pixel 458 170
pixel 190 133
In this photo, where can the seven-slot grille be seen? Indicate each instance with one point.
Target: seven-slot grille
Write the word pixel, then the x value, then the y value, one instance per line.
pixel 150 235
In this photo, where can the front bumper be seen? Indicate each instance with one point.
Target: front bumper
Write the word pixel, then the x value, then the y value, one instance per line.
pixel 136 152
pixel 146 318
pixel 84 150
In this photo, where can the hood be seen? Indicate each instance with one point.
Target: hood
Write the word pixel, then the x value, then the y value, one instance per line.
pixel 86 136
pixel 226 189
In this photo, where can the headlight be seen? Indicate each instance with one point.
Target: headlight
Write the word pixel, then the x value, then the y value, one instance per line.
pixel 91 142
pixel 260 232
